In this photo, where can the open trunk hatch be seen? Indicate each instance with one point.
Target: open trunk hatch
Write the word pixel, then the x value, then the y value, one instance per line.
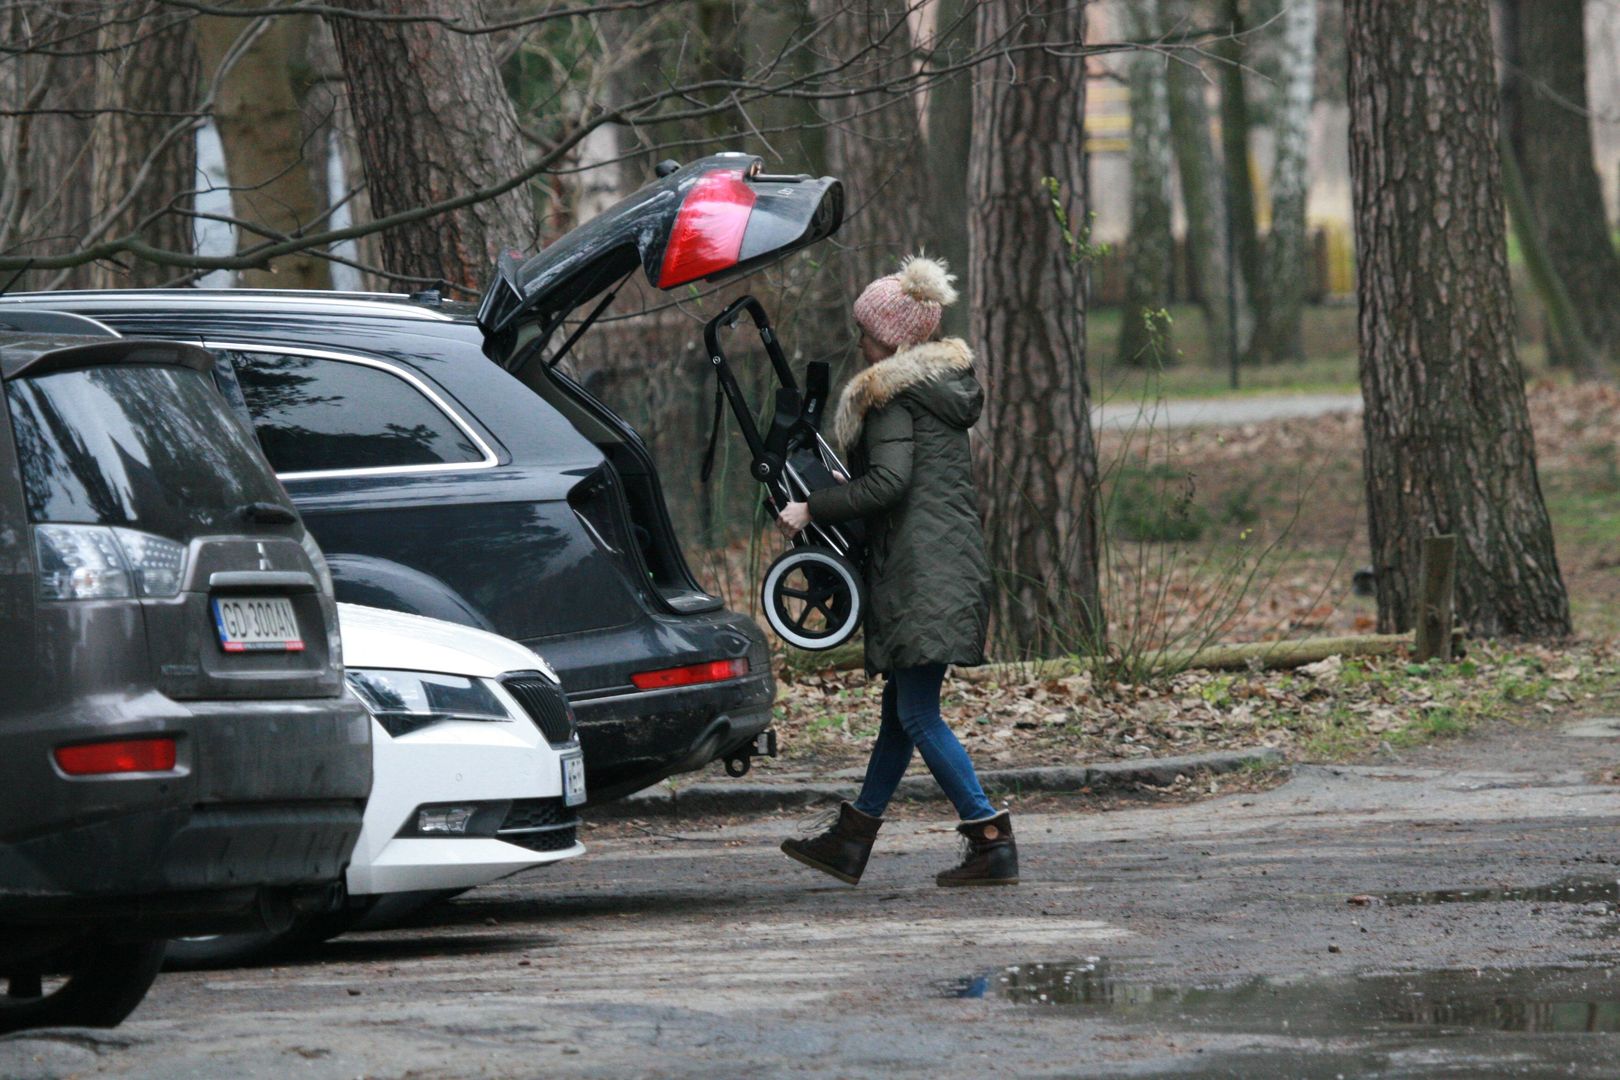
pixel 717 218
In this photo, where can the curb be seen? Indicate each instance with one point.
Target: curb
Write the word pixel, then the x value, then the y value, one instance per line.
pixel 743 797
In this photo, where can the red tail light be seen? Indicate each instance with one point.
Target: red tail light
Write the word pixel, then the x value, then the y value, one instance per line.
pixel 123 756
pixel 691 674
pixel 709 229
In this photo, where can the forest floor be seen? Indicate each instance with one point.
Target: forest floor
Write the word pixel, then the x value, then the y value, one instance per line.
pixel 1252 532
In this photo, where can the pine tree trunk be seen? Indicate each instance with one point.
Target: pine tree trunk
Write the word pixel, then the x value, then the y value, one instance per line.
pixel 261 129
pixel 1448 441
pixel 330 131
pixel 1028 317
pixel 1235 165
pixel 434 121
pixel 1202 196
pixel 1148 250
pixel 949 142
pixel 1552 133
pixel 45 185
pixel 1565 334
pixel 1280 333
pixel 145 164
pixel 874 141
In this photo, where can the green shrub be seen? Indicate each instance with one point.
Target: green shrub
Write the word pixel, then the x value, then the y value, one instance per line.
pixel 1155 504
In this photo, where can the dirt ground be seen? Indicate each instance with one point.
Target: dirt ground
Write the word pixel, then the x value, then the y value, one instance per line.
pixel 1443 911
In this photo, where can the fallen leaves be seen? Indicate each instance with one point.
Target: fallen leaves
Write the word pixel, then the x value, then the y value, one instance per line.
pixel 1332 708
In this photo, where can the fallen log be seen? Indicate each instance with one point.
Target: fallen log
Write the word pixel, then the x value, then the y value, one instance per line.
pixel 1278 655
pixel 1269 655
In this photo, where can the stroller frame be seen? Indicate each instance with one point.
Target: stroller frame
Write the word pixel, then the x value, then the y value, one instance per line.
pixel 812 594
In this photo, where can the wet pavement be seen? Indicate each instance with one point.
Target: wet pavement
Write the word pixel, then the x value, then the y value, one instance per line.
pixel 1449 914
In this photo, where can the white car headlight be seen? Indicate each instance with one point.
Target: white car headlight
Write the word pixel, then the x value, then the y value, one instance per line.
pixel 406 701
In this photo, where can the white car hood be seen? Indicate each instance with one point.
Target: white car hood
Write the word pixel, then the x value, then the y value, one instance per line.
pixel 374 638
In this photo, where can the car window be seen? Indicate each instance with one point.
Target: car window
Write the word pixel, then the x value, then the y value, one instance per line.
pixel 139 444
pixel 314 414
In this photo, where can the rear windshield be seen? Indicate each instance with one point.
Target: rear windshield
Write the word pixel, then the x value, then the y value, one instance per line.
pixel 135 445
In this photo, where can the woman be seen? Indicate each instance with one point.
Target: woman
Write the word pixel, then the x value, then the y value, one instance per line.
pixel 904 421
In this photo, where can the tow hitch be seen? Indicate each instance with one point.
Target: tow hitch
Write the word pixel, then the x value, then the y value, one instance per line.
pixel 742 759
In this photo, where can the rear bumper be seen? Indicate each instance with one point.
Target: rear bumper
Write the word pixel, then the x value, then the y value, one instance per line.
pixel 178 850
pixel 263 794
pixel 634 738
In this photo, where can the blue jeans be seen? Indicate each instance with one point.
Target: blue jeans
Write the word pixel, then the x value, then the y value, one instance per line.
pixel 911 719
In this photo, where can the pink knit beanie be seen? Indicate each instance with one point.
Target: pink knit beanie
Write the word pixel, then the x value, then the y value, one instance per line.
pixel 904 309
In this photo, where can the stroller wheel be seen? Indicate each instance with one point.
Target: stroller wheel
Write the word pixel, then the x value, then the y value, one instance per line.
pixel 812 598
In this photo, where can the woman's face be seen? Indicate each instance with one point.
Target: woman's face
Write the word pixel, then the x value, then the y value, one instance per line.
pixel 873 350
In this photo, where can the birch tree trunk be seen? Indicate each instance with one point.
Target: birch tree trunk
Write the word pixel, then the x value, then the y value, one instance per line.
pixel 434 121
pixel 1448 441
pixel 1149 248
pixel 261 129
pixel 1029 322
pixel 1279 333
pixel 145 149
pixel 1552 134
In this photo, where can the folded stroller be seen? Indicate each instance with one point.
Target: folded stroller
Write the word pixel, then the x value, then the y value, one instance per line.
pixel 812 594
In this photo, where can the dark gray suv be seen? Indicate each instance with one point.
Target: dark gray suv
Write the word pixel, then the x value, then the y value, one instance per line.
pixel 177 750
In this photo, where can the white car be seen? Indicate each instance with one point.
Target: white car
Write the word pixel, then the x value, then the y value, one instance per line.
pixel 476 773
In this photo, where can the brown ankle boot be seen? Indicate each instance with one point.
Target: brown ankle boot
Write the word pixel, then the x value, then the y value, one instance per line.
pixel 991 856
pixel 840 851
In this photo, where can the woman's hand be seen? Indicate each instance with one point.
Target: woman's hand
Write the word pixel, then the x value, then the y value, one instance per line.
pixel 793 518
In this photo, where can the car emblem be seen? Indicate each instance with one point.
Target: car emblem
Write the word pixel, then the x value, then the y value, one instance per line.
pixel 264 559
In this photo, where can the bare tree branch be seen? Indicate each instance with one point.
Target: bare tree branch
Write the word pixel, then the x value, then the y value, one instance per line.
pixel 848 78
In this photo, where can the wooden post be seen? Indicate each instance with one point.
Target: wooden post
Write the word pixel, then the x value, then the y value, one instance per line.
pixel 1437 586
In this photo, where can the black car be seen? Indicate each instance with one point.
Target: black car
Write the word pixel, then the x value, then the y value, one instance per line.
pixel 449 469
pixel 177 749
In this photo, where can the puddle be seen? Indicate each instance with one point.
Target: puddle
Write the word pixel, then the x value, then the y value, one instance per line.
pixel 1520 999
pixel 1571 891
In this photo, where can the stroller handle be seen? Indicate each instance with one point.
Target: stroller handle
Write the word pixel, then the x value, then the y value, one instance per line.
pixel 762 322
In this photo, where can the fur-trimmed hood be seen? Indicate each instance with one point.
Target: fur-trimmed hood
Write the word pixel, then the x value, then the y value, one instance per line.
pixel 942 372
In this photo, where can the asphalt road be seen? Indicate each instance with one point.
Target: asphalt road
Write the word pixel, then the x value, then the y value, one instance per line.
pixel 1207 939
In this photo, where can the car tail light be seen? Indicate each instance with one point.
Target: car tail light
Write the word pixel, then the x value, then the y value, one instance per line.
pixel 691 674
pixel 121 756
pixel 94 562
pixel 708 232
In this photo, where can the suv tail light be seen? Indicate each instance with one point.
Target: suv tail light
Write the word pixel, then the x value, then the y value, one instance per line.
pixel 97 562
pixel 708 233
pixel 122 756
pixel 691 674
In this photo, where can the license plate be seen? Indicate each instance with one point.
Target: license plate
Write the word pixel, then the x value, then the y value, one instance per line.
pixel 257 624
pixel 573 770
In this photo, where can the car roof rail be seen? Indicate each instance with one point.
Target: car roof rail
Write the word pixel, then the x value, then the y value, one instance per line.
pixel 44 321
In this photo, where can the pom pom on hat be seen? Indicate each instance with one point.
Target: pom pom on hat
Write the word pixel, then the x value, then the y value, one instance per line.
pixel 904 309
pixel 922 278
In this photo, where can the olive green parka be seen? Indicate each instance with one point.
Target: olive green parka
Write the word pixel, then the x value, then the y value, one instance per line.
pixel 904 422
